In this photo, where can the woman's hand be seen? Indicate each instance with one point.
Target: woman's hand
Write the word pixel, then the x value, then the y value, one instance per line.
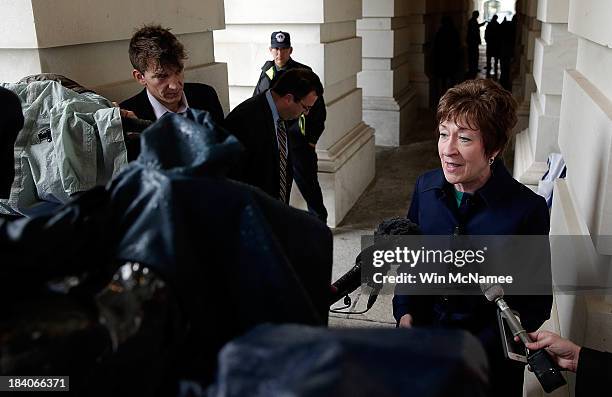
pixel 405 321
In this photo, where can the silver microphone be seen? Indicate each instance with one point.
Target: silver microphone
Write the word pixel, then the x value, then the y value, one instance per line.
pixel 495 293
pixel 541 363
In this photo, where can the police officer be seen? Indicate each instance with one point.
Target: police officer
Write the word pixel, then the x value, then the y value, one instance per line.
pixel 304 132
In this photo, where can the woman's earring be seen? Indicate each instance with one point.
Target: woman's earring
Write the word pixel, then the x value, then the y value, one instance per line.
pixel 491 160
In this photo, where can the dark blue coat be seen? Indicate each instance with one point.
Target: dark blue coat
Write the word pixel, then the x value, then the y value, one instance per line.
pixel 502 206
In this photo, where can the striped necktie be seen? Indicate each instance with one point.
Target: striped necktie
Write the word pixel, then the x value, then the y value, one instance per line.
pixel 281 134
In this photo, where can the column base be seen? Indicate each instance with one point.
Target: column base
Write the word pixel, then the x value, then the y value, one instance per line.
pixel 526 169
pixel 422 89
pixel 345 171
pixel 391 118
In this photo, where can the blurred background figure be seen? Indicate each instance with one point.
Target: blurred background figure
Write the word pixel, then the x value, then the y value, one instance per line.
pixel 473 41
pixel 493 45
pixel 447 56
pixel 506 51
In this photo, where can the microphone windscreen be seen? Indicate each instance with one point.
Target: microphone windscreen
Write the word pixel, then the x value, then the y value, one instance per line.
pixel 397 226
pixel 492 291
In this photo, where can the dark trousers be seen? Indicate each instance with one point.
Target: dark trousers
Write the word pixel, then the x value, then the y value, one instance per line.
pixel 472 60
pixel 304 161
pixel 504 78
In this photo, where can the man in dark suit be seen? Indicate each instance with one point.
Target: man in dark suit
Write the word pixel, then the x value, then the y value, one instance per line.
pixel 260 125
pixel 157 57
pixel 304 132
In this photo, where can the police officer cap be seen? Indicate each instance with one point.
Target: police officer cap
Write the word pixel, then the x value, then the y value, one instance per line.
pixel 280 40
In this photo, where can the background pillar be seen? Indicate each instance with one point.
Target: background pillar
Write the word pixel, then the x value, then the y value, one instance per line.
pixel 389 100
pixel 527 31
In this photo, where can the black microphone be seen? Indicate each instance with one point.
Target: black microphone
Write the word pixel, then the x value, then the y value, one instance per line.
pixel 390 227
pixel 541 363
pixel 376 287
pixel 348 283
pixel 351 280
pixel 373 296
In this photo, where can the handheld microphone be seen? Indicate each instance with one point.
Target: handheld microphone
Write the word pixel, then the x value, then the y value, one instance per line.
pixel 541 363
pixel 495 293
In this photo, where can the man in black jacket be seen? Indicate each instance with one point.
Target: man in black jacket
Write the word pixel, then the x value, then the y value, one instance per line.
pixel 304 132
pixel 157 57
pixel 261 125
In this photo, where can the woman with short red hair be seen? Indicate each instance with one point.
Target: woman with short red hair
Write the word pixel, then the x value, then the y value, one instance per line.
pixel 473 193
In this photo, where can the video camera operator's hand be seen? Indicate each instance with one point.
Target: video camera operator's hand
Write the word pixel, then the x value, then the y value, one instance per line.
pixel 564 352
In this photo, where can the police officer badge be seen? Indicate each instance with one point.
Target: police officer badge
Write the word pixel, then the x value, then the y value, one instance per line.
pixel 280 37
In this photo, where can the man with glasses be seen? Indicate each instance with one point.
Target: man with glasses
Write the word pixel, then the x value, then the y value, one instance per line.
pixel 262 123
pixel 303 132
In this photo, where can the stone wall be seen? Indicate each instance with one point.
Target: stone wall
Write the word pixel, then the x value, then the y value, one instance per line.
pixel 582 203
pixel 527 31
pixel 87 40
pixel 554 52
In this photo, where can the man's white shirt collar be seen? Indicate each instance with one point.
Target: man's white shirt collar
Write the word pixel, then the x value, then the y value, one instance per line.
pixel 160 109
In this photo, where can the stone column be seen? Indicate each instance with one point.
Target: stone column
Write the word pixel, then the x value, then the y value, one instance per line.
pixel 389 100
pixel 583 201
pixel 524 84
pixel 87 40
pixel 554 52
pixel 323 35
pixel 419 79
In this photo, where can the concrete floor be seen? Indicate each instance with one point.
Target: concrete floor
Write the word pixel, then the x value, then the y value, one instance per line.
pixel 387 196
